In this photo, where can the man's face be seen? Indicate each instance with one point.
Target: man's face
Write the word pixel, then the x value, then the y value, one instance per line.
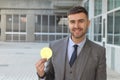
pixel 78 25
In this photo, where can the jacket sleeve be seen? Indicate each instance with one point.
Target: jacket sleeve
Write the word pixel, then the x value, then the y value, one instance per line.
pixel 49 72
pixel 101 69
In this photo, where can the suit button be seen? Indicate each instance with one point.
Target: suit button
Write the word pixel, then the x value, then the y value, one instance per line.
pixel 70 72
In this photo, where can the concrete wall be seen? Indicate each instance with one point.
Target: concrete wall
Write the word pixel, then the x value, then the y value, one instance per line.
pixel 25 4
pixel 113 57
pixel 30 27
pixel 30 21
pixel 3 27
pixel 30 8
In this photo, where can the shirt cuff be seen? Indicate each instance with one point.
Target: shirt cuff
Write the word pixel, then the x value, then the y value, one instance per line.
pixel 42 76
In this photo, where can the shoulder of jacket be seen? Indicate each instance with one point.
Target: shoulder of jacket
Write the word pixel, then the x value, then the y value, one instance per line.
pixel 95 45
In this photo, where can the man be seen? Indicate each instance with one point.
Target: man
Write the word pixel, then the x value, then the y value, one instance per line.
pixel 89 63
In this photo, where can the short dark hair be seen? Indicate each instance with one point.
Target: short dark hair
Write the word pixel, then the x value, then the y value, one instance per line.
pixel 77 9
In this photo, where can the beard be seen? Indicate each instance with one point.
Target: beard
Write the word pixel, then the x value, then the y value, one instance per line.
pixel 79 35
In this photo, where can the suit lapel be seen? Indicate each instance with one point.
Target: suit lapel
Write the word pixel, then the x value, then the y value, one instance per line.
pixel 63 58
pixel 82 59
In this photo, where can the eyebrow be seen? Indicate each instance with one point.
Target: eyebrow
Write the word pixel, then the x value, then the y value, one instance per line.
pixel 78 20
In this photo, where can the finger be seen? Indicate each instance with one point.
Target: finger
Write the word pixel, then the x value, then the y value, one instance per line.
pixel 41 61
pixel 41 68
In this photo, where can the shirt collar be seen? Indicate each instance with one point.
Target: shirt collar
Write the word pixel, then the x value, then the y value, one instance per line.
pixel 81 44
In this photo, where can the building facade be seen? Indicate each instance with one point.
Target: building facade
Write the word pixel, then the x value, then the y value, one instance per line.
pixel 105 28
pixel 34 20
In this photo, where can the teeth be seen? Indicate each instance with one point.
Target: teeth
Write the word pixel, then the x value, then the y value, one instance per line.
pixel 77 30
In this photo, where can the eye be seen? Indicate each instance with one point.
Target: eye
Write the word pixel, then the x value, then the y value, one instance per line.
pixel 72 21
pixel 81 20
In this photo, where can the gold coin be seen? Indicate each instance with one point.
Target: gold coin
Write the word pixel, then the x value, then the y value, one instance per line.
pixel 46 52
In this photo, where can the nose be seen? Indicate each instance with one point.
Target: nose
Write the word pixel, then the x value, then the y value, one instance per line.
pixel 76 25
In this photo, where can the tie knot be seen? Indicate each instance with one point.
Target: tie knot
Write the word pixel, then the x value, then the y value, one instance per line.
pixel 75 46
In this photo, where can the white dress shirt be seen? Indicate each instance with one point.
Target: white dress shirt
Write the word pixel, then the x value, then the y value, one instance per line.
pixel 71 48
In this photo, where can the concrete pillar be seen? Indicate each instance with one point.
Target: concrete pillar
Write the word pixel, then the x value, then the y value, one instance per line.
pixel 91 18
pixel 30 28
pixel 3 27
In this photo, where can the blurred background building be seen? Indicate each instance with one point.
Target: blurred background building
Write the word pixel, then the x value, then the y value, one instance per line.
pixel 46 20
pixel 34 20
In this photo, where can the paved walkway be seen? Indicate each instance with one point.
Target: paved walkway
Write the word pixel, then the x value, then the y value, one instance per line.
pixel 17 61
pixel 112 75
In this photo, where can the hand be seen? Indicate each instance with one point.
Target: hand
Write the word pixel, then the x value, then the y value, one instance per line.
pixel 40 66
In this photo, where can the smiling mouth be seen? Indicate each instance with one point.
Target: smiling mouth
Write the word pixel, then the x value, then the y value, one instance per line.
pixel 77 30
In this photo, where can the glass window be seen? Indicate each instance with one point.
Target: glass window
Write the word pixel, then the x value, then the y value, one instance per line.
pixel 110 39
pixel 16 23
pixel 15 37
pixel 117 22
pixel 65 24
pixel 117 39
pixel 99 37
pixel 97 29
pixel 110 23
pixel 22 37
pixel 50 27
pixel 51 37
pixel 110 4
pixel 37 37
pixel 9 23
pixel 8 37
pixel 117 28
pixel 38 23
pixel 117 3
pixel 65 36
pixel 113 4
pixel 59 24
pixel 58 37
pixel 45 23
pixel 86 5
pixel 98 7
pixel 110 28
pixel 52 23
pixel 65 29
pixel 44 38
pixel 23 21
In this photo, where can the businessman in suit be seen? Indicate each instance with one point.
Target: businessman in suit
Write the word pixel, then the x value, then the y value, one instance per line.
pixel 74 57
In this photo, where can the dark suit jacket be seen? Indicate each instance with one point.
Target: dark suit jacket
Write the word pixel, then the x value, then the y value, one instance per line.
pixel 91 65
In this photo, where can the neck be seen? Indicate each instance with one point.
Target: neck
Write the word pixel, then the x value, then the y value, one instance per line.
pixel 77 40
